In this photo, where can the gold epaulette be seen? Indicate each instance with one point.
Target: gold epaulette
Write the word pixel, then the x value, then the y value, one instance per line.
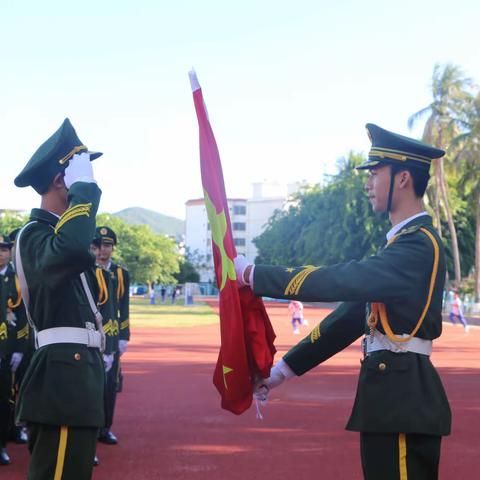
pixel 72 212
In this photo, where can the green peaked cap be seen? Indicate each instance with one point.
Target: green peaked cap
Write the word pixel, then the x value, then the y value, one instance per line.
pixel 394 149
pixel 5 241
pixel 104 235
pixel 52 157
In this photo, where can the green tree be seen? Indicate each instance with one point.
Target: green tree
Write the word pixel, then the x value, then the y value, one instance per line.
pixel 325 225
pixel 149 257
pixel 449 92
pixel 187 272
pixel 10 220
pixel 468 163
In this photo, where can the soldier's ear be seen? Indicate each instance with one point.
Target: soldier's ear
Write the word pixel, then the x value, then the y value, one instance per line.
pixel 404 178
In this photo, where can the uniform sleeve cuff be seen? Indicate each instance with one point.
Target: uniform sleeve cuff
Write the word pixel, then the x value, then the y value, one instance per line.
pixel 287 372
pixel 250 277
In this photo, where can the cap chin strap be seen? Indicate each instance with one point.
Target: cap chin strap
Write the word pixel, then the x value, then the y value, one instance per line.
pixel 390 191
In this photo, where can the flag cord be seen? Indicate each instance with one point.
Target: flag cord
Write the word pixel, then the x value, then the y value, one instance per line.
pixel 257 407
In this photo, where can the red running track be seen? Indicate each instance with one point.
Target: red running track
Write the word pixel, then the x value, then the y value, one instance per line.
pixel 170 425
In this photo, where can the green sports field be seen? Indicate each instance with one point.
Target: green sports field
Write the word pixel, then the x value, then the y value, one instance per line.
pixel 142 314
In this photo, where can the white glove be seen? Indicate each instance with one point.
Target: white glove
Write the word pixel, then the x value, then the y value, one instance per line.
pixel 79 170
pixel 278 374
pixel 11 317
pixel 122 346
pixel 241 264
pixel 108 361
pixel 15 361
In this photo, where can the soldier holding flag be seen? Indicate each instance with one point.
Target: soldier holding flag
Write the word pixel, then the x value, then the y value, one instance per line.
pixel 401 409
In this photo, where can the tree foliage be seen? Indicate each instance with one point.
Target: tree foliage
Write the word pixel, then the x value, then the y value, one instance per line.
pixel 149 257
pixel 325 225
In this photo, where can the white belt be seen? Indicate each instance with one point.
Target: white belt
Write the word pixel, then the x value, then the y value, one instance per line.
pixel 382 342
pixel 85 336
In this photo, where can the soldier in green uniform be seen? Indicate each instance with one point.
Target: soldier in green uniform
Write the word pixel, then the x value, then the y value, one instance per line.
pixel 118 330
pixel 13 336
pixel 19 432
pixel 395 299
pixel 61 396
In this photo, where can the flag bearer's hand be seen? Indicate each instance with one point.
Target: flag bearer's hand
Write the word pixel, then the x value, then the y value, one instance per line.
pixel 278 374
pixel 244 271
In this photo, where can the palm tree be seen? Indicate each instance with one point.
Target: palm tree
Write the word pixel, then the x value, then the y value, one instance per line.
pixel 449 91
pixel 469 159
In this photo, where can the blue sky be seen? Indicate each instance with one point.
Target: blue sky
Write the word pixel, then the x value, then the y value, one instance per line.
pixel 289 85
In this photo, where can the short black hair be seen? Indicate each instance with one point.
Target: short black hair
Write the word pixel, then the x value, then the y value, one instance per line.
pixel 419 176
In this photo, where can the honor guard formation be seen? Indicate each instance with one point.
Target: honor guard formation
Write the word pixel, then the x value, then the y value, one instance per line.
pixel 64 321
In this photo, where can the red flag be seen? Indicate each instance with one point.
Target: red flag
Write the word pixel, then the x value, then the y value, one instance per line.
pixel 246 333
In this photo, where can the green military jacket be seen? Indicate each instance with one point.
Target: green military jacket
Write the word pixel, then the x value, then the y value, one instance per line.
pixel 16 318
pixel 122 282
pixel 404 394
pixel 64 382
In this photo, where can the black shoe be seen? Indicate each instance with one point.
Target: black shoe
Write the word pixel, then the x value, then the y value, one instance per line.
pixel 20 435
pixel 4 458
pixel 96 461
pixel 108 437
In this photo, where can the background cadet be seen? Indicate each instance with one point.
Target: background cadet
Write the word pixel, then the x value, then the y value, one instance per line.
pixel 61 397
pixel 103 245
pixel 401 409
pixel 13 334
pixel 19 432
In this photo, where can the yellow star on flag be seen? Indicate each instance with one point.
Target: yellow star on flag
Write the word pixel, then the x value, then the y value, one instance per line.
pixel 225 371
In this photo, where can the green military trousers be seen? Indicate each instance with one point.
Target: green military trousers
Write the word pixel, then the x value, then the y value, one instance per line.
pixel 400 456
pixel 111 388
pixel 6 399
pixel 61 452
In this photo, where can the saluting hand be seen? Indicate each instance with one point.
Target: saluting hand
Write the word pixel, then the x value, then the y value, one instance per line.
pixel 79 170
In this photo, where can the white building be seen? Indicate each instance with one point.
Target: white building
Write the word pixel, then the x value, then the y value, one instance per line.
pixel 249 218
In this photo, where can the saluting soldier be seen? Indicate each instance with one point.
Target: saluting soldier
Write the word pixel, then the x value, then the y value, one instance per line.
pixel 118 331
pixel 13 336
pixel 395 299
pixel 61 396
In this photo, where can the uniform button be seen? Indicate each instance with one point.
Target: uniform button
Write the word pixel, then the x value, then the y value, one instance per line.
pixel 77 356
pixel 382 366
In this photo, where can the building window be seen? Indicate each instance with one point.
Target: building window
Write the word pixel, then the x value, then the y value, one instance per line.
pixel 209 257
pixel 239 242
pixel 239 226
pixel 209 242
pixel 208 226
pixel 239 210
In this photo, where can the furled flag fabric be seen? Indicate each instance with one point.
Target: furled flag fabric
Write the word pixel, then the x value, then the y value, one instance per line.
pixel 247 335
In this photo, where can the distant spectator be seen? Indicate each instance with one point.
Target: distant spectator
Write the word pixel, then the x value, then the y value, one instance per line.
pixel 163 291
pixel 152 294
pixel 456 313
pixel 296 309
pixel 174 293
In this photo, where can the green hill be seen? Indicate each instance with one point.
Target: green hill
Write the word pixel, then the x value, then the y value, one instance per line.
pixel 158 222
